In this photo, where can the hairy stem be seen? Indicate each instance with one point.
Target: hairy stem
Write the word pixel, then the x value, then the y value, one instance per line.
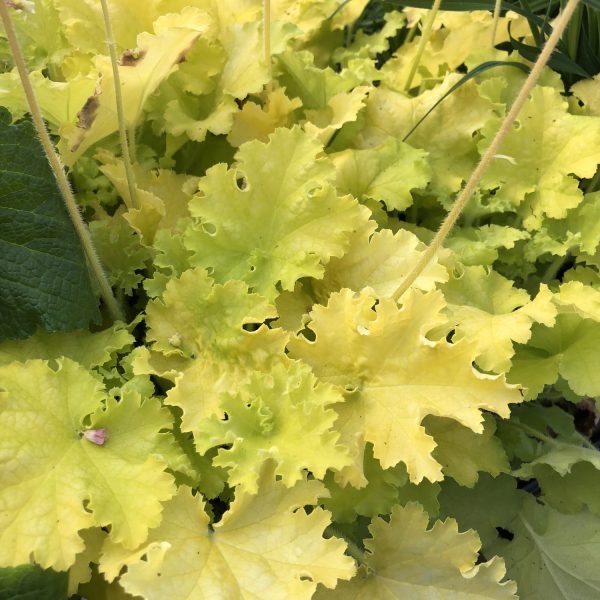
pixel 492 150
pixel 93 261
pixel 112 49
pixel 423 42
pixel 554 267
pixel 267 43
pixel 497 8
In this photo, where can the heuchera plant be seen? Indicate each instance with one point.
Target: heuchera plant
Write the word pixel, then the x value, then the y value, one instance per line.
pixel 282 396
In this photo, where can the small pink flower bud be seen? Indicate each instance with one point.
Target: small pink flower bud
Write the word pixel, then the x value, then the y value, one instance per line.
pixel 96 436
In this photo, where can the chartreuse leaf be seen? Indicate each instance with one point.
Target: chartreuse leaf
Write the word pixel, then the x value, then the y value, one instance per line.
pixel 393 377
pixel 265 546
pixel 44 278
pixel 329 99
pixel 479 245
pixel 404 559
pixel 536 182
pixel 196 470
pixel 254 122
pixel 162 196
pixel 577 232
pixel 41 36
pixel 561 452
pixel 268 220
pixel 142 71
pixel 88 349
pixel 386 173
pixel 448 133
pixel 343 108
pixel 313 86
pixel 59 100
pixel 30 582
pixel 526 435
pixel 488 311
pixel 489 504
pixel 171 258
pixel 311 17
pixel 83 24
pixel 570 493
pixel 195 317
pixel 554 555
pixel 570 349
pixel 575 296
pixel 588 91
pixel 81 571
pixel 377 497
pixel 425 493
pixel 457 37
pixel 99 589
pixel 201 326
pixel 120 250
pixel 226 65
pixel 464 453
pixel 361 53
pixel 284 415
pixel 55 482
pixel 379 260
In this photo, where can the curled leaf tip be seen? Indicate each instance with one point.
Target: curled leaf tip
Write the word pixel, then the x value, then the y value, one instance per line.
pixel 96 436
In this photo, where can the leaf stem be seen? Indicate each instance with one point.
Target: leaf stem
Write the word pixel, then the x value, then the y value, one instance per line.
pixel 534 433
pixel 412 32
pixel 132 145
pixel 267 44
pixel 492 150
pixel 542 437
pixel 497 9
pixel 81 229
pixel 112 49
pixel 554 268
pixel 353 548
pixel 422 43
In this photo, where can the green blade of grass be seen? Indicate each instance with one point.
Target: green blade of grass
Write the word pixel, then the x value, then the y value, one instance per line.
pixel 486 66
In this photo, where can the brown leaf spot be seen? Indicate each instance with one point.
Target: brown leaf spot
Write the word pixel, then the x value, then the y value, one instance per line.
pixel 181 57
pixel 131 57
pixel 86 116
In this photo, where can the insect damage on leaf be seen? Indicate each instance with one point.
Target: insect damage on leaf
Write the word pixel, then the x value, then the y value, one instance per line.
pixel 131 57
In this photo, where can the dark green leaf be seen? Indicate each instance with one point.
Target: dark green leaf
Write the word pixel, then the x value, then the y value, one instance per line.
pixel 593 3
pixel 30 582
pixel 43 273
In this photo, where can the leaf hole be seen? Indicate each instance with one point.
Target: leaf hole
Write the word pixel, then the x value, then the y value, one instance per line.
pixel 241 182
pixel 505 534
pixel 209 228
pixel 309 334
